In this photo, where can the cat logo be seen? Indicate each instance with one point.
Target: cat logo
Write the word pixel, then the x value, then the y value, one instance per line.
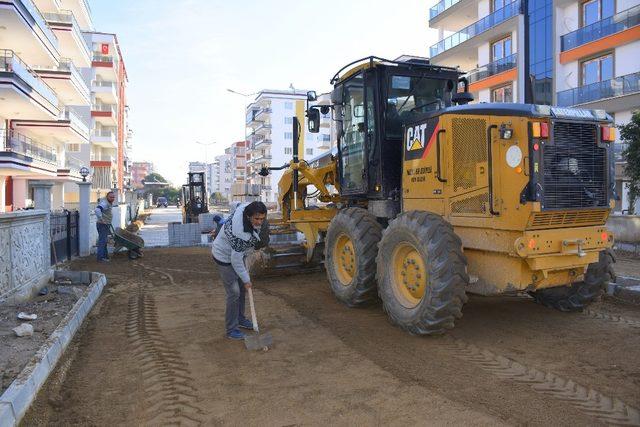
pixel 415 136
pixel 416 145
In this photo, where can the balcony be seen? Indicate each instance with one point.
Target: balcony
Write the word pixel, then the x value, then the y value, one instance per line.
pixel 606 27
pixel 21 155
pixel 24 92
pixel 620 93
pixel 68 128
pixel 28 33
pixel 482 26
pixel 81 11
pixel 66 81
pixel 492 69
pixel 452 15
pixel 105 91
pixel 71 42
pixel 105 138
pixel 262 142
pixel 263 129
pixel 106 114
pixel 106 66
pixel 261 158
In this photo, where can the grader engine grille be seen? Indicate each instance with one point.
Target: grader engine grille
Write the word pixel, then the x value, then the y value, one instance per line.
pixel 575 168
pixel 469 148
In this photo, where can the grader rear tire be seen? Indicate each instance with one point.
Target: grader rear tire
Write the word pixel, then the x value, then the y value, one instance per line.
pixel 351 247
pixel 422 273
pixel 580 294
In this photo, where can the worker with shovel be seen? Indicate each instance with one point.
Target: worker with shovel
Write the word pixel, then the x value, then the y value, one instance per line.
pixel 239 235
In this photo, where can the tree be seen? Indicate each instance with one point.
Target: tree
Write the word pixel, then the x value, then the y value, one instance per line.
pixel 630 134
pixel 171 193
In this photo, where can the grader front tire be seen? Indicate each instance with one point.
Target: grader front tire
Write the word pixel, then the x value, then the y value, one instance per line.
pixel 351 247
pixel 422 273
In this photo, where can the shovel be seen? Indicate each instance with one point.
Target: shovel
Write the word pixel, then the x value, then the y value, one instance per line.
pixel 256 341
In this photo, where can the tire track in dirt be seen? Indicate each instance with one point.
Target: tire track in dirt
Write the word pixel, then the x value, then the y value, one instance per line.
pixel 612 318
pixel 606 409
pixel 155 270
pixel 170 396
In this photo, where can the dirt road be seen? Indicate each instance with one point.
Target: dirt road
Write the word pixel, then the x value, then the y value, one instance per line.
pixel 153 352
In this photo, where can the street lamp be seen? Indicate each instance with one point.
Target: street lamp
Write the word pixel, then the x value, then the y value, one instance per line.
pixel 84 172
pixel 240 93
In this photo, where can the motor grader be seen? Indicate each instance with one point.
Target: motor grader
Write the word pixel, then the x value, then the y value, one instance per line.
pixel 429 197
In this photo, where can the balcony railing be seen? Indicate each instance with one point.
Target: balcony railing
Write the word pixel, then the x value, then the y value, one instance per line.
pixel 493 68
pixel 66 17
pixel 440 7
pixel 17 143
pixel 98 57
pixel 67 114
pixel 40 21
pixel 11 63
pixel 102 83
pixel 263 141
pixel 623 85
pixel 499 16
pixel 263 126
pixel 618 148
pixel 72 163
pixel 104 133
pixel 614 24
pixel 105 108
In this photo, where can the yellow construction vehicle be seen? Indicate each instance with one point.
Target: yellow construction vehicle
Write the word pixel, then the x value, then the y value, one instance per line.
pixel 428 198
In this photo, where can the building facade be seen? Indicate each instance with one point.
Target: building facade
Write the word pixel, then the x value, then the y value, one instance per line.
pixel 41 91
pixel 222 174
pixel 269 121
pixel 568 53
pixel 139 170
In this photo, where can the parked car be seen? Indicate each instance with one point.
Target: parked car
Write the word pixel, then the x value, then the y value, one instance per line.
pixel 161 202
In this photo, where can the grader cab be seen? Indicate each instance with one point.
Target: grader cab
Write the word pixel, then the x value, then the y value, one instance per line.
pixel 427 200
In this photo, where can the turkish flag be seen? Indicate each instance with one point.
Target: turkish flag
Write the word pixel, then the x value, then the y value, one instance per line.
pixel 105 48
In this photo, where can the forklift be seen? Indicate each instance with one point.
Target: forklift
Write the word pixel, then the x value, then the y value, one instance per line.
pixel 194 197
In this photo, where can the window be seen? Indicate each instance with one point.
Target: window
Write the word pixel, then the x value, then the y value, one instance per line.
pixel 310 151
pixel 597 70
pixel 288 135
pixel 326 137
pixel 288 105
pixel 288 120
pixel 73 148
pixel 597 10
pixel 288 150
pixel 502 94
pixel 407 94
pixel 498 4
pixel 501 49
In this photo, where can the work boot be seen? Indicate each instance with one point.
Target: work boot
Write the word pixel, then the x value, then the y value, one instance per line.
pixel 246 324
pixel 235 334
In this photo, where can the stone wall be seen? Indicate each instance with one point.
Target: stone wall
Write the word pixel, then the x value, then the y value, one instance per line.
pixel 25 251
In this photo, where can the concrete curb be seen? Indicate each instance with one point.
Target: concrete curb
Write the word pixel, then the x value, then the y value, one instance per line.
pixel 626 288
pixel 16 399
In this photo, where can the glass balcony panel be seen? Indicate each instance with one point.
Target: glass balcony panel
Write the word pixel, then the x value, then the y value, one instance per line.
pixel 493 68
pixel 614 24
pixel 11 63
pixel 508 11
pixel 22 144
pixel 40 21
pixel 440 7
pixel 623 85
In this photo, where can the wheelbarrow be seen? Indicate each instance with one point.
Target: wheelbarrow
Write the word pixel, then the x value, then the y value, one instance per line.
pixel 123 239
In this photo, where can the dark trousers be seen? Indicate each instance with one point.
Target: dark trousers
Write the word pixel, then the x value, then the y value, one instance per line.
pixel 235 290
pixel 103 234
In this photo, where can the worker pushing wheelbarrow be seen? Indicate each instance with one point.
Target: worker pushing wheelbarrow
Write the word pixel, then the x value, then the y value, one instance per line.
pixel 123 239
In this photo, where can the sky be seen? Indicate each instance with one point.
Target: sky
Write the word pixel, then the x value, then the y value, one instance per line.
pixel 182 56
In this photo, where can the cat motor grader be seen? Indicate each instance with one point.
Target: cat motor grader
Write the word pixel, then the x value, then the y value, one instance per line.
pixel 428 198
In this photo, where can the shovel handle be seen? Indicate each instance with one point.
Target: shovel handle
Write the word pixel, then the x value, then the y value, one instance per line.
pixel 254 319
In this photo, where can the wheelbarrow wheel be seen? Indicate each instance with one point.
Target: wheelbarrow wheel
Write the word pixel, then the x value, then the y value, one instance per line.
pixel 133 254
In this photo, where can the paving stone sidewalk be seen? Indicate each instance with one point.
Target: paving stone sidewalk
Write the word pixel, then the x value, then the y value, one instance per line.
pixel 155 230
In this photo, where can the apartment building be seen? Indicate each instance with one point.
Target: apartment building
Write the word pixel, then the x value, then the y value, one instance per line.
pixel 222 170
pixel 570 53
pixel 41 89
pixel 110 137
pixel 269 121
pixel 139 170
